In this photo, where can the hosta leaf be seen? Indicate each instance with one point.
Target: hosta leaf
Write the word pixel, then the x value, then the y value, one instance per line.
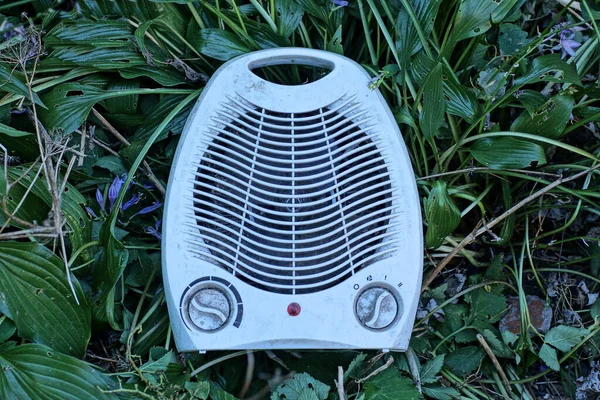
pixel 35 294
pixel 102 33
pixel 531 100
pixel 33 371
pixel 564 337
pixel 475 17
pixel 163 76
pixel 442 215
pixel 123 104
pixel 460 100
pixel 220 44
pixel 549 68
pixel 12 81
pixel 99 57
pixel 289 16
pixel 408 40
pixel 507 152
pixel 549 120
pixel 432 117
pixel 550 357
pixel 391 385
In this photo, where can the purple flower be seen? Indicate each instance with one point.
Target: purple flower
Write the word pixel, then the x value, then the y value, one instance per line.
pixel 115 188
pixel 14 31
pixel 91 212
pixel 154 230
pixel 134 200
pixel 339 3
pixel 100 199
pixel 149 209
pixel 567 43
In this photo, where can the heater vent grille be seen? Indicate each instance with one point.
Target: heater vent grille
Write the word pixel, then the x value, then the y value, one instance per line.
pixel 292 203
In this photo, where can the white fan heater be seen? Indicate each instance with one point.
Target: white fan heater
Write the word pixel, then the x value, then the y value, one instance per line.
pixel 292 218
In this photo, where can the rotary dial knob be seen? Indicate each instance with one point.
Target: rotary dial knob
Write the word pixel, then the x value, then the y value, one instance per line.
pixel 377 307
pixel 209 309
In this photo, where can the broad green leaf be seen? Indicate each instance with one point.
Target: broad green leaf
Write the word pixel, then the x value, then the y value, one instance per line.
pixel 549 120
pixel 512 39
pixel 391 385
pixel 217 393
pixel 460 100
pixel 163 76
pixel 112 163
pixel 564 337
pixel 301 386
pixel 7 328
pixel 12 81
pixel 356 367
pixel 465 359
pixel 431 368
pixel 123 104
pixel 440 392
pixel 33 208
pixel 486 307
pixel 220 44
pixel 474 17
pixel 531 100
pixel 289 16
pixel 408 41
pixel 549 68
pixel 72 205
pixel 98 57
pixel 432 116
pixel 550 357
pixel 37 297
pixel 7 130
pixel 33 371
pixel 157 114
pixel 101 33
pixel 441 214
pixel 198 390
pixel 507 152
pixel 498 347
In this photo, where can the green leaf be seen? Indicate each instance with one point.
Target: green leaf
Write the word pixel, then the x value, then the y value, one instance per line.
pixel 486 306
pixel 531 100
pixel 356 367
pixel 431 368
pixel 35 294
pixel 391 385
pixel 512 39
pixel 12 81
pixel 301 386
pixel 475 17
pixel 498 347
pixel 7 130
pixel 549 68
pixel 101 33
pixel 564 337
pixel 220 44
pixel 550 357
pixel 289 16
pixel 7 328
pixel 97 57
pixel 217 393
pixel 507 152
pixel 408 41
pixel 440 392
pixel 549 120
pixel 160 75
pixel 432 117
pixel 460 100
pixel 198 390
pixel 441 214
pixel 33 371
pixel 465 359
pixel 595 309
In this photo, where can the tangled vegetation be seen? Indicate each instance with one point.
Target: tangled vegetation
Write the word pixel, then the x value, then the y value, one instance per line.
pixel 498 102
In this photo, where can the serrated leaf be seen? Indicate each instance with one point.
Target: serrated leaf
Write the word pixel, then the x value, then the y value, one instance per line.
pixel 301 385
pixel 497 346
pixel 465 359
pixel 549 120
pixel 564 337
pixel 35 294
pixel 550 357
pixel 485 306
pixel 507 152
pixel 391 385
pixel 198 390
pixel 441 213
pixel 432 116
pixel 512 39
pixel 431 368
pixel 34 371
pixel 220 44
pixel 356 367
pixel 549 68
pixel 440 392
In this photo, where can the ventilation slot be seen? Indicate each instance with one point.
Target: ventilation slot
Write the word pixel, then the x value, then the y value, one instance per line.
pixel 292 203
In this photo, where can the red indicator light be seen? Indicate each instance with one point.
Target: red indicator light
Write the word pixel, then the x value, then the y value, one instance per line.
pixel 293 309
